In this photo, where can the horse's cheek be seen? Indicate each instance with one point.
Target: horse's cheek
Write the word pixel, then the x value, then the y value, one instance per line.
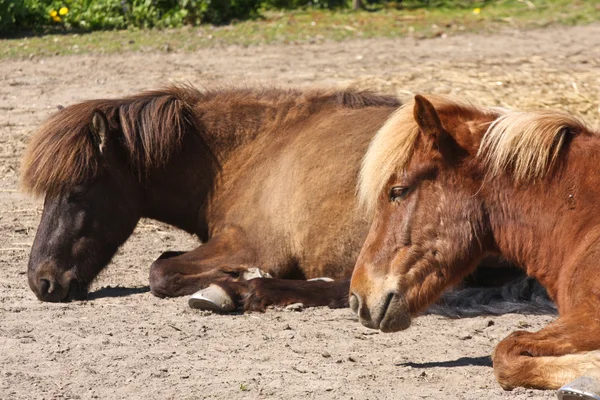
pixel 79 248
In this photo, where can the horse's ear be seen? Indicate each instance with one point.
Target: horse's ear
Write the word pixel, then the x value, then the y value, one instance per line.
pixel 428 119
pixel 432 130
pixel 99 130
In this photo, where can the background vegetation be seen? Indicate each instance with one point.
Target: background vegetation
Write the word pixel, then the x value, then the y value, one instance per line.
pixel 95 30
pixel 86 15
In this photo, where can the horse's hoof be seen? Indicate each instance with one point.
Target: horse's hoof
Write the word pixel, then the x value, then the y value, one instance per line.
pixel 584 387
pixel 213 298
pixel 253 273
pixel 322 278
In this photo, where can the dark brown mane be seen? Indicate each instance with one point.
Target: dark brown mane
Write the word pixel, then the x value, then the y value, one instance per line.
pixel 364 98
pixel 62 153
pixel 151 127
pixel 350 98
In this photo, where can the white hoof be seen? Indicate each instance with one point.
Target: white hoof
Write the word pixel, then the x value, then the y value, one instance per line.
pixel 295 307
pixel 253 273
pixel 213 298
pixel 582 388
pixel 323 278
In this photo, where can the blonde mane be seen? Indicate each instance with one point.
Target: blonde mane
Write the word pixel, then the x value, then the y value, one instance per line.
pixel 526 143
pixel 523 144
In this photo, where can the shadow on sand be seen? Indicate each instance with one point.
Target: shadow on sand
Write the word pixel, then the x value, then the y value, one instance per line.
pixel 118 291
pixel 484 361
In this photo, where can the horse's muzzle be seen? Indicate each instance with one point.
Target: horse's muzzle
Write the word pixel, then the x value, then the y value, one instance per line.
pixel 390 312
pixel 48 288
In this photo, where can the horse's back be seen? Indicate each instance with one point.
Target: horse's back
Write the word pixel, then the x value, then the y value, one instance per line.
pixel 293 192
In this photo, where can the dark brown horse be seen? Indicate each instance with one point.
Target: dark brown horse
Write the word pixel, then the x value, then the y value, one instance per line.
pixel 265 178
pixel 450 182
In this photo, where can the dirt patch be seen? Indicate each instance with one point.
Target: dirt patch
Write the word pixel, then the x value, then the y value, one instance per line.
pixel 124 343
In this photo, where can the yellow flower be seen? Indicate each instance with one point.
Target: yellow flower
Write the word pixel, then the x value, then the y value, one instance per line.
pixel 53 13
pixel 63 11
pixel 56 18
pixel 476 11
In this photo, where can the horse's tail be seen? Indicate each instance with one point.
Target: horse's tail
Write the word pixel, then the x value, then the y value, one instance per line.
pixel 524 295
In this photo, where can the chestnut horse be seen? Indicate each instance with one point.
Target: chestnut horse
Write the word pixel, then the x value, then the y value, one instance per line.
pixel 449 182
pixel 265 178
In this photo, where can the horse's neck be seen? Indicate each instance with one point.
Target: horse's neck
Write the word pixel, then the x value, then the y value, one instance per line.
pixel 544 226
pixel 178 193
pixel 227 126
pixel 522 229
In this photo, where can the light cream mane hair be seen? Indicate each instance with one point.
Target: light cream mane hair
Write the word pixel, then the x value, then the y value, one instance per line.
pixel 524 143
pixel 527 143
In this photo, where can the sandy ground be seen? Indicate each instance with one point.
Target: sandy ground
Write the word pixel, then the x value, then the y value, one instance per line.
pixel 124 343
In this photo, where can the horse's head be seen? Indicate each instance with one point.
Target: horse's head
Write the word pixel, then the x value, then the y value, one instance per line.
pixel 91 203
pixel 448 183
pixel 101 165
pixel 429 227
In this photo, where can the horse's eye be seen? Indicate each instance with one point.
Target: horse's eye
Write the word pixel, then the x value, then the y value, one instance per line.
pixel 77 194
pixel 398 193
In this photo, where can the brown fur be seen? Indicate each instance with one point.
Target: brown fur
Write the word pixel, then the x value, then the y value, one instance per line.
pixel 480 181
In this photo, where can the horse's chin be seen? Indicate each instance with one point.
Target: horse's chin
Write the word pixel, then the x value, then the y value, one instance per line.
pixel 397 316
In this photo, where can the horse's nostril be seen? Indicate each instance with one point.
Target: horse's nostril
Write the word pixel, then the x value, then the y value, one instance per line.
pixel 44 287
pixel 354 302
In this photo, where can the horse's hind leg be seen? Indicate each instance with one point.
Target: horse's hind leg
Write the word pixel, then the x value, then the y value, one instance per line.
pixel 224 257
pixel 552 357
pixel 258 294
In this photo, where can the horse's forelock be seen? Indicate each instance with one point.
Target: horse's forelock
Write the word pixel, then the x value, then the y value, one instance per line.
pixel 388 153
pixel 61 154
pixel 392 147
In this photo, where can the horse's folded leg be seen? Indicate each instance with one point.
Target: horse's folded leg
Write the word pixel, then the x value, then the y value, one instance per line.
pixel 584 387
pixel 258 293
pixel 541 372
pixel 262 293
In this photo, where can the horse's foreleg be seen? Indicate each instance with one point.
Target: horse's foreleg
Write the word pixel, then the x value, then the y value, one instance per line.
pixel 172 278
pixel 552 357
pixel 258 294
pixel 545 372
pixel 225 257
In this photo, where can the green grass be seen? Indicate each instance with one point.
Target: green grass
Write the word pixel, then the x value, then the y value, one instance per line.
pixel 311 26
